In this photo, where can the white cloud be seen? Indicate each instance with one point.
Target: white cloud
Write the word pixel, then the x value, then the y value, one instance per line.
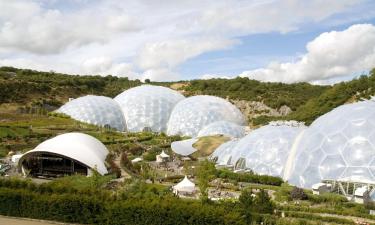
pixel 172 53
pixel 210 76
pixel 330 55
pixel 160 74
pixel 151 37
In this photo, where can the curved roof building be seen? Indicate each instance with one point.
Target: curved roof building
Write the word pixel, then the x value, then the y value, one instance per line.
pixel 148 107
pixel 338 145
pixel 265 150
pixel 224 128
pixel 68 153
pixel 194 113
pixel 97 110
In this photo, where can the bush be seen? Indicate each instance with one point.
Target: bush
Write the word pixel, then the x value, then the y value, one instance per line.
pixel 298 194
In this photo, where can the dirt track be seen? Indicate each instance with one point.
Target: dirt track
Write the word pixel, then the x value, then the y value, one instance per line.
pixel 25 221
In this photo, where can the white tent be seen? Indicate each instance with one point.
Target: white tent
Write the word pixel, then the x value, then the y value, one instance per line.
pixel 184 187
pixel 162 157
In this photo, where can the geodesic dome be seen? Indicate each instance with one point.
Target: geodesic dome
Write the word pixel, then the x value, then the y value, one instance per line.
pixel 338 145
pixel 97 110
pixel 265 150
pixel 224 128
pixel 223 154
pixel 148 107
pixel 194 113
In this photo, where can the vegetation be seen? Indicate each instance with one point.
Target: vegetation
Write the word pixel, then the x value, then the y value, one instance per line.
pixel 248 177
pixel 39 92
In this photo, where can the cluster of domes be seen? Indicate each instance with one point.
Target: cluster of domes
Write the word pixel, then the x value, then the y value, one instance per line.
pixel 338 145
pixel 148 107
pixel 264 150
pixel 159 109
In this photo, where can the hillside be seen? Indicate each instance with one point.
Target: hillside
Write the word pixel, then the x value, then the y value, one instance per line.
pixel 28 90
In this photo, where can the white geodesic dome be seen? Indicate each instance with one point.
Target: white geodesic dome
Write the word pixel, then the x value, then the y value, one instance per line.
pixel 338 145
pixel 223 154
pixel 223 128
pixel 97 110
pixel 148 107
pixel 194 113
pixel 265 150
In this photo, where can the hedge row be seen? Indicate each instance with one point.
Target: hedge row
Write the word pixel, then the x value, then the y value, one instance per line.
pixel 249 177
pixel 328 219
pixel 75 208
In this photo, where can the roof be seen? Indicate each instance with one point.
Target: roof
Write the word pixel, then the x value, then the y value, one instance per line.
pixel 77 146
pixel 184 147
pixel 185 185
pixel 164 155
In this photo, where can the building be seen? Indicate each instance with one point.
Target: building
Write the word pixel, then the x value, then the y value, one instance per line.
pixel 320 188
pixel 66 154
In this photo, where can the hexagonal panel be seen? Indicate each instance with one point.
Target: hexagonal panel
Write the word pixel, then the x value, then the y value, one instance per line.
pixel 333 143
pixel 332 166
pixel 357 128
pixel 358 152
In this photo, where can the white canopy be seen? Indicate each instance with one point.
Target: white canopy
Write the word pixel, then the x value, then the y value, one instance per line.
pixel 137 160
pixel 184 147
pixel 164 155
pixel 184 186
pixel 78 146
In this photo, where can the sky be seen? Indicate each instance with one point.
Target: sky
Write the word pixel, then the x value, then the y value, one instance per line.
pixel 316 41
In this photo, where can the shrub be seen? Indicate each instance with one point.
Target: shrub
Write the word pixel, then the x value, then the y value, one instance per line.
pixel 298 194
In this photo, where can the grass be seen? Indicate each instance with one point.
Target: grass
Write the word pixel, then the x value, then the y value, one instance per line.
pixel 207 145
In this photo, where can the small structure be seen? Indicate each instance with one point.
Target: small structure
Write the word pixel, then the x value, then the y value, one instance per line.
pixel 162 157
pixel 360 194
pixel 321 188
pixel 137 160
pixel 185 187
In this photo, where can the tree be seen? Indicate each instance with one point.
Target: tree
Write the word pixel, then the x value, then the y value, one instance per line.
pixel 205 173
pixel 147 81
pixel 246 201
pixel 263 202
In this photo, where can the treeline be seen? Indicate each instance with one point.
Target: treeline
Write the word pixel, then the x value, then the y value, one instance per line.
pixel 274 95
pixel 24 85
pixel 341 93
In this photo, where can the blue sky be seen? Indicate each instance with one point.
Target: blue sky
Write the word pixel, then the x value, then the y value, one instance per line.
pixel 256 51
pixel 288 41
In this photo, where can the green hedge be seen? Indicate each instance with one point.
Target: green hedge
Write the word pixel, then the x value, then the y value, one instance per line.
pixel 84 209
pixel 249 177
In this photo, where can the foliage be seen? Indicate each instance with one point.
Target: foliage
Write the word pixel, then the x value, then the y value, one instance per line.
pixel 249 177
pixel 298 194
pixel 205 172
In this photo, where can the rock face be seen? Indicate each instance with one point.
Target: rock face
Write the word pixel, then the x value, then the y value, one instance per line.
pixel 253 109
